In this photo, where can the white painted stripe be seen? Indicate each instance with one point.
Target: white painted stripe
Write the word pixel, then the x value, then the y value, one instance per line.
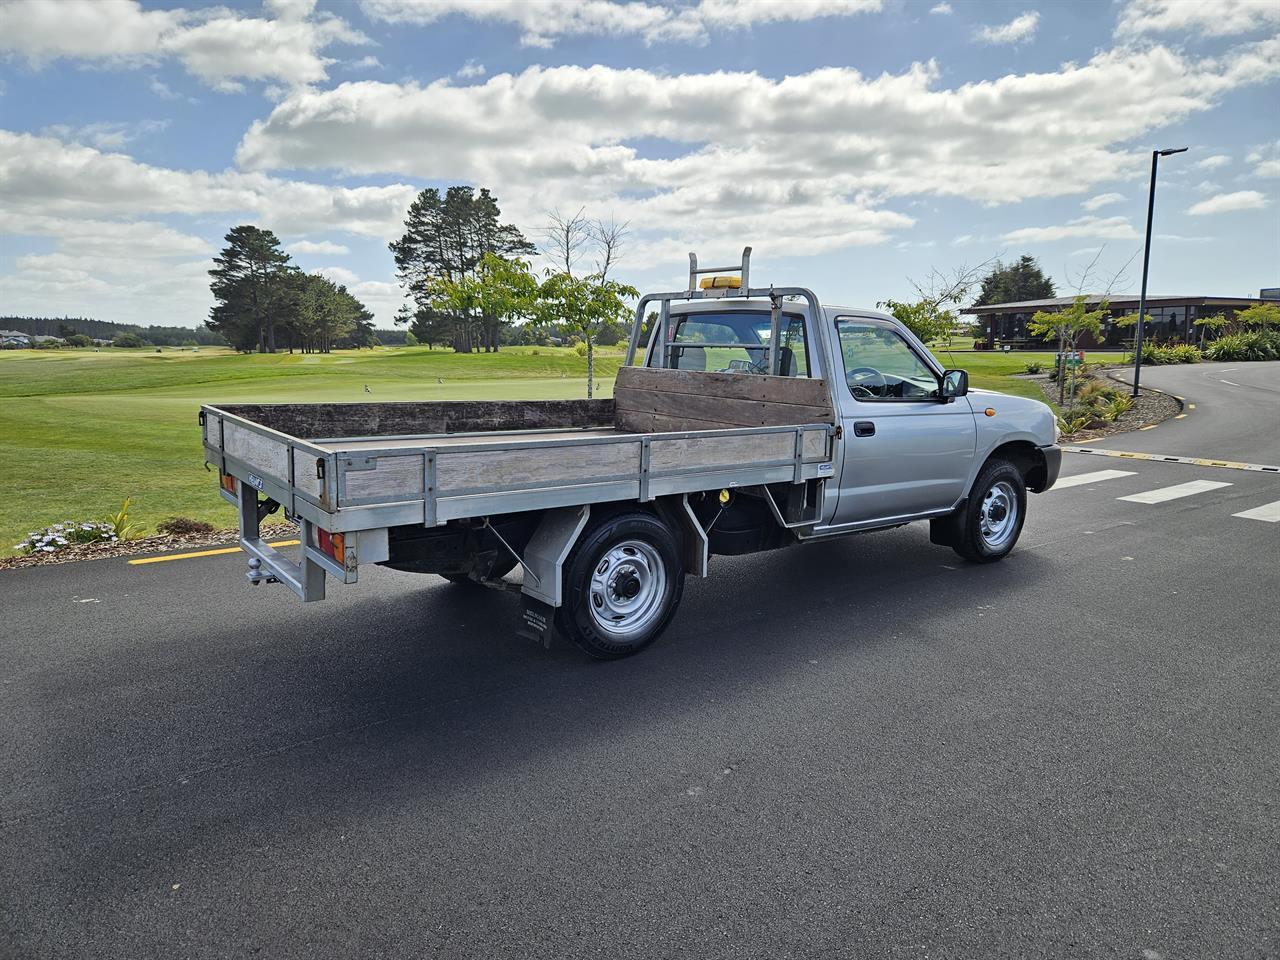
pixel 1269 512
pixel 1176 492
pixel 1096 477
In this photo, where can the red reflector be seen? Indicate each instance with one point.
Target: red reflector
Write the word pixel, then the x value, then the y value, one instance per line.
pixel 228 483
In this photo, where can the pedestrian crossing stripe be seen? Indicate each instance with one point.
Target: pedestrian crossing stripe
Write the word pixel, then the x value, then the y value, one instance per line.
pixel 1175 492
pixel 1080 479
pixel 1164 458
pixel 1270 512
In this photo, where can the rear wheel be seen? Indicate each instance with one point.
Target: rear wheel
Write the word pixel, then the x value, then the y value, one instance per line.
pixel 989 524
pixel 623 582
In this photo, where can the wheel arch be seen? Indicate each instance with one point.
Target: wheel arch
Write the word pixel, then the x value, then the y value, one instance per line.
pixel 1029 460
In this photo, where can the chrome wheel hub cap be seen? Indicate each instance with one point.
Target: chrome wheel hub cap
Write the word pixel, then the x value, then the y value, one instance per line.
pixel 627 587
pixel 998 518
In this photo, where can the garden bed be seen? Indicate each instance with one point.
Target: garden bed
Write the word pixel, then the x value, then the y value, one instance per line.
pixel 1149 408
pixel 155 544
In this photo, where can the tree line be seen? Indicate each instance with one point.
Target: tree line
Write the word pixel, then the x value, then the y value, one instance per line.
pixel 263 302
pixel 74 329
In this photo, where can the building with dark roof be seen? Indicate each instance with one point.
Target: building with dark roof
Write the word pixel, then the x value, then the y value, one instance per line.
pixel 1172 319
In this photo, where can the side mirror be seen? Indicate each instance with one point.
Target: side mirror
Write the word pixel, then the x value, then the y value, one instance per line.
pixel 955 383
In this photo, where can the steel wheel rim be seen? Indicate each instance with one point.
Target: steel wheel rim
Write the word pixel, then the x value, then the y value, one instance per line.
pixel 628 585
pixel 998 517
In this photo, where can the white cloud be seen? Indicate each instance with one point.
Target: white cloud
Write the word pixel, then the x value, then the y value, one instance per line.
pixel 41 175
pixel 105 135
pixel 138 272
pixel 217 45
pixel 1101 228
pixel 322 247
pixel 814 164
pixel 1266 160
pixel 1022 27
pixel 1228 202
pixel 1215 18
pixel 1102 200
pixel 1214 162
pixel 342 275
pixel 1207 186
pixel 541 24
pixel 382 297
pixel 365 63
pixel 471 70
pixel 942 9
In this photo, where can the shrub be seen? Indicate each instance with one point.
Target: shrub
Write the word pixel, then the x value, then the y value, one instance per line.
pixel 1250 345
pixel 1176 353
pixel 121 525
pixel 1116 408
pixel 1072 423
pixel 183 527
pixel 131 340
pixel 79 340
pixel 1035 366
pixel 1096 393
pixel 65 534
pixel 580 349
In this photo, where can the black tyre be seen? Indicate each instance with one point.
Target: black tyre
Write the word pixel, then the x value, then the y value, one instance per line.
pixel 501 567
pixel 989 524
pixel 622 584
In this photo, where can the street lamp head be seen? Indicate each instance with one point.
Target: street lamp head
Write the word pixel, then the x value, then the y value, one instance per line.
pixel 1165 153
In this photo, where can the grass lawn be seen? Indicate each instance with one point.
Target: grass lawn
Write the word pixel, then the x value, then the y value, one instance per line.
pixel 81 430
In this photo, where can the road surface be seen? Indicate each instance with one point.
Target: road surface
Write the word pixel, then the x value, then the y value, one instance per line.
pixel 863 748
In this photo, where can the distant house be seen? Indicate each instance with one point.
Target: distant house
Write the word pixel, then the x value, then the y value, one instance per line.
pixel 1172 318
pixel 14 340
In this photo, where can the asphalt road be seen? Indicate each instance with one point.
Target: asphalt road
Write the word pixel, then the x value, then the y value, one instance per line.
pixel 1236 412
pixel 863 748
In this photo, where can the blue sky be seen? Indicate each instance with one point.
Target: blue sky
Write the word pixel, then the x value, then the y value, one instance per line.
pixel 855 144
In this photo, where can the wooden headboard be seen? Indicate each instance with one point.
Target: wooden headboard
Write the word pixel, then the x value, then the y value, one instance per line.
pixel 647 400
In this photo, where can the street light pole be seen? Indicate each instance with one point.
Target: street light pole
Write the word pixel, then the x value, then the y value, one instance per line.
pixel 1146 262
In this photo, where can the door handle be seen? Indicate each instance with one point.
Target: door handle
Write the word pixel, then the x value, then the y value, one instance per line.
pixel 864 428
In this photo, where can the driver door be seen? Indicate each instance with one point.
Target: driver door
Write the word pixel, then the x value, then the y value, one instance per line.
pixel 905 451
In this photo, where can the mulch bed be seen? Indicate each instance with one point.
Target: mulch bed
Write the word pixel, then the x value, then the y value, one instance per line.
pixel 158 544
pixel 1151 407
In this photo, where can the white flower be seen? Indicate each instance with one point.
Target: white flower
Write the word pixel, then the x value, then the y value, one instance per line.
pixel 47 549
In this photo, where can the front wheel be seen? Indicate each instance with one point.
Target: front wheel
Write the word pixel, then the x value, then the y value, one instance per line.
pixel 989 524
pixel 623 582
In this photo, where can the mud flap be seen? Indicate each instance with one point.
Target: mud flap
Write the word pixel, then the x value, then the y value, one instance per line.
pixel 945 531
pixel 537 621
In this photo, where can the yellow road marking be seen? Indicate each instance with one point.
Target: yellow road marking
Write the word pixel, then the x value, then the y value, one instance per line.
pixel 206 553
pixel 1181 416
pixel 1191 406
pixel 1149 426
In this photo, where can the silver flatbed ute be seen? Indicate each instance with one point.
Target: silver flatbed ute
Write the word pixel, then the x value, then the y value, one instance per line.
pixel 755 419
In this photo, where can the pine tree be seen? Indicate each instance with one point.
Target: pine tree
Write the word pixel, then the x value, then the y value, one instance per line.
pixel 1015 283
pixel 252 289
pixel 444 241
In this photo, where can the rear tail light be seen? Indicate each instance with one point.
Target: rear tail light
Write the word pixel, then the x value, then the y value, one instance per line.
pixel 228 483
pixel 332 544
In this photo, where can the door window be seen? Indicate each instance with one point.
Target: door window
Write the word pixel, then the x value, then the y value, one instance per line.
pixel 737 342
pixel 881 366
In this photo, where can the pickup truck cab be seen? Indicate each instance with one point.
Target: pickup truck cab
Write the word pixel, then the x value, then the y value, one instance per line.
pixel 756 419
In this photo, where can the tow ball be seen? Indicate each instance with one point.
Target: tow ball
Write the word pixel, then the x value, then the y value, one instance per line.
pixel 255 574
